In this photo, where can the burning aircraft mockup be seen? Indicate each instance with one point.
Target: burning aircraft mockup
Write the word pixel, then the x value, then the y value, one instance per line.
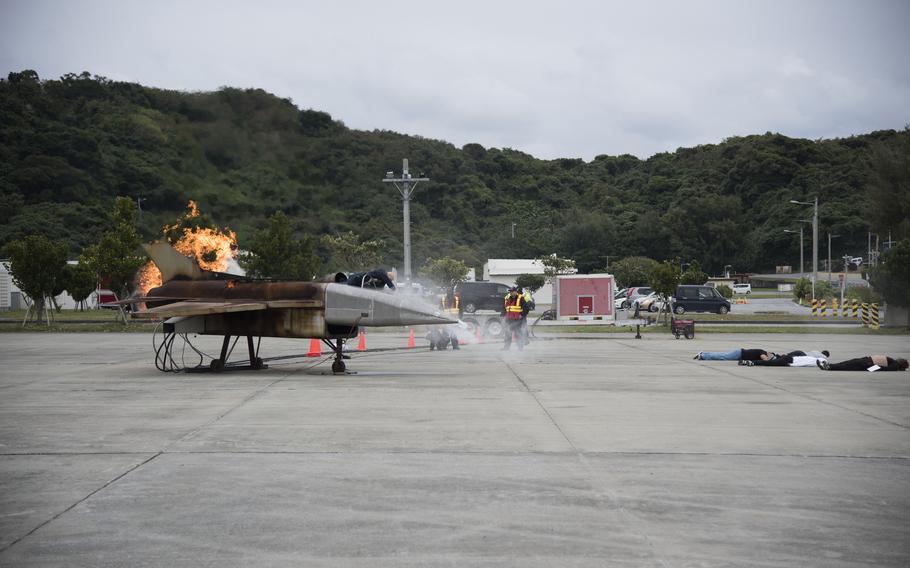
pixel 211 303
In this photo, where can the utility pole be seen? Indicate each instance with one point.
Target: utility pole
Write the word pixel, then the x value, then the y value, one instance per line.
pixel 830 236
pixel 869 250
pixel 814 246
pixel 814 239
pixel 405 185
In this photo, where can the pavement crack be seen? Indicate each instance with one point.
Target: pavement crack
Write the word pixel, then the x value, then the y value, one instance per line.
pixel 80 501
pixel 542 407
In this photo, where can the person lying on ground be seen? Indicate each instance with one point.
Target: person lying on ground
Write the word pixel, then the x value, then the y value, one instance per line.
pixel 791 359
pixel 746 355
pixel 869 363
pixel 734 355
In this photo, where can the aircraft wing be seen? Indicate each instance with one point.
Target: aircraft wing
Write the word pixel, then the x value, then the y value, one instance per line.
pixel 186 309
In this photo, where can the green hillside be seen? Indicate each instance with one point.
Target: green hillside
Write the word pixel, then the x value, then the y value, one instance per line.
pixel 68 147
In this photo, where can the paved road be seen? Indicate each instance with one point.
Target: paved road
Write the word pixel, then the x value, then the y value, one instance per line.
pixel 586 452
pixel 759 305
pixel 779 305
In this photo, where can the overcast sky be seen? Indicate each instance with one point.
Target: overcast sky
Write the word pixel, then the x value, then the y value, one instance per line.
pixel 554 79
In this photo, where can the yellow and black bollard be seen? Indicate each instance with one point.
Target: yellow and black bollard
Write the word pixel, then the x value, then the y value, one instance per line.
pixel 834 308
pixel 814 308
pixel 855 308
pixel 823 308
pixel 865 315
pixel 875 316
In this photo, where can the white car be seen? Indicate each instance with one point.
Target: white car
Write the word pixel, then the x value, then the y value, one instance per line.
pixel 618 299
pixel 742 288
pixel 649 303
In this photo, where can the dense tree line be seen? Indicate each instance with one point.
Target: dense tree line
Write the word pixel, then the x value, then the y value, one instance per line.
pixel 69 147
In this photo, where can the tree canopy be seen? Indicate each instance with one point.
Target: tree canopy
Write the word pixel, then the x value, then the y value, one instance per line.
pixel 632 270
pixel 444 271
pixel 70 146
pixel 347 252
pixel 532 282
pixel 117 256
pixel 275 252
pixel 38 267
pixel 892 275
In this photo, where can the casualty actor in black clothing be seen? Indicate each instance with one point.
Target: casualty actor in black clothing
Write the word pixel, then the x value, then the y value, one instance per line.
pixel 870 363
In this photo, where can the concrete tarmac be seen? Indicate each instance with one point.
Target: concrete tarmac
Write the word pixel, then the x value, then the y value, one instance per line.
pixel 576 452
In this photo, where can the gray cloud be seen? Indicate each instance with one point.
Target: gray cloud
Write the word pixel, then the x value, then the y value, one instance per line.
pixel 572 80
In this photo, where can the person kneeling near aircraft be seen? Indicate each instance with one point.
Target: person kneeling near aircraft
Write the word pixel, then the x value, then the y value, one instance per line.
pixel 791 359
pixel 440 338
pixel 869 363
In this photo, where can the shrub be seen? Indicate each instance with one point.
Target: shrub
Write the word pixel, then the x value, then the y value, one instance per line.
pixel 802 289
pixel 725 291
pixel 863 294
pixel 825 290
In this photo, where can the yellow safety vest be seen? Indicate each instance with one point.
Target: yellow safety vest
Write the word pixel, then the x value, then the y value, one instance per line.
pixel 513 310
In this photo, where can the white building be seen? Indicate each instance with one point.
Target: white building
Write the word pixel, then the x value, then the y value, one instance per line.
pixel 8 289
pixel 11 298
pixel 506 270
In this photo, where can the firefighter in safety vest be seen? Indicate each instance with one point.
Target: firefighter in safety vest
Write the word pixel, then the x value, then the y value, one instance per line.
pixel 512 311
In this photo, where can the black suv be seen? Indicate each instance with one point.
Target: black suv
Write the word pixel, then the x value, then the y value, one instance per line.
pixel 473 296
pixel 699 299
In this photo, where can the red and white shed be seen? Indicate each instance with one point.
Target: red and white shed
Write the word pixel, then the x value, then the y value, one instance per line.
pixel 585 297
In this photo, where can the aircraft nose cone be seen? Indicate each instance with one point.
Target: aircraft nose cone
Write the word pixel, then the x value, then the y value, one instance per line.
pixel 349 305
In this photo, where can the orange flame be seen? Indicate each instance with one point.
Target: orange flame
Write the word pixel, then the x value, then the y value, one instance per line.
pixel 148 277
pixel 213 249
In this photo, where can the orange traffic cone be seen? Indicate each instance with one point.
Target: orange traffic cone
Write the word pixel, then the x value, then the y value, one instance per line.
pixel 362 344
pixel 478 334
pixel 315 350
pixel 411 343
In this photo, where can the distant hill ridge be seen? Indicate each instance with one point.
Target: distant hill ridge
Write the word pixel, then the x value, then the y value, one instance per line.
pixel 69 146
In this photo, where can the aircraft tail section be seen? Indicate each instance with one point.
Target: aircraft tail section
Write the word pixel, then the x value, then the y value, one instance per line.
pixel 172 264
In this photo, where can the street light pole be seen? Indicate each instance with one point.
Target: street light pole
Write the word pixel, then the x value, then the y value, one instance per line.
pixel 405 185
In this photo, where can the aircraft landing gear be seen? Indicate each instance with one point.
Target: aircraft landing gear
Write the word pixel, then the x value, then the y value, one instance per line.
pixel 337 346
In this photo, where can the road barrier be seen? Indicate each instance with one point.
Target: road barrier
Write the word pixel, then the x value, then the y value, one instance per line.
pixel 866 313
